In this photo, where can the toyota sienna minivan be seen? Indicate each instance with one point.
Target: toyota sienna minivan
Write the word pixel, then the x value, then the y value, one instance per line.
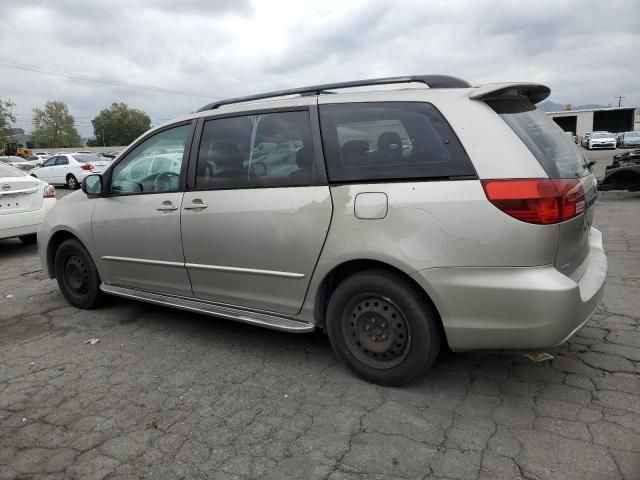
pixel 394 220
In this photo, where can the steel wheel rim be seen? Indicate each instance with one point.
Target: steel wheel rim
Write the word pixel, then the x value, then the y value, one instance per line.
pixel 76 275
pixel 376 331
pixel 72 182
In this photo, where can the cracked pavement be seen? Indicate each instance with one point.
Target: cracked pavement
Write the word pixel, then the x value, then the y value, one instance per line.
pixel 169 394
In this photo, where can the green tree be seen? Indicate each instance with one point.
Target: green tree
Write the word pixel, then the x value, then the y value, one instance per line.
pixel 119 125
pixel 6 117
pixel 54 126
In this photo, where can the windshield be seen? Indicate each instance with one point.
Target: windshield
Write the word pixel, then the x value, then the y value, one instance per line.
pixel 557 154
pixel 86 158
pixel 602 135
pixel 7 171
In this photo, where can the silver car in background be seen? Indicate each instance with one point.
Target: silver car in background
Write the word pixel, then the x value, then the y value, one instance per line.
pixel 390 219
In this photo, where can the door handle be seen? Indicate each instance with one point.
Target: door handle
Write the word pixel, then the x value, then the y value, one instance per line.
pixel 197 204
pixel 167 206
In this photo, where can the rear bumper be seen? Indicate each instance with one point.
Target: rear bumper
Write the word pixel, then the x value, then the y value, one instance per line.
pixel 519 308
pixel 24 223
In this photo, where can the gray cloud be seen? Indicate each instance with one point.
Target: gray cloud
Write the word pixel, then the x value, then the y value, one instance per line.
pixel 585 51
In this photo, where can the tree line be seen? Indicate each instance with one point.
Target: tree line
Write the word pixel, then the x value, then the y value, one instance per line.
pixel 54 126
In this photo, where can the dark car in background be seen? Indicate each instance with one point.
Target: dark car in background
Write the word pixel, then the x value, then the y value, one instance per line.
pixel 623 173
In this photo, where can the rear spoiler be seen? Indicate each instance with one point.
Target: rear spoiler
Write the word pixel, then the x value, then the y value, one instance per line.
pixel 535 92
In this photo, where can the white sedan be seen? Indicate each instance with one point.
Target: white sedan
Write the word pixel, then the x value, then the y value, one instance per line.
pixel 69 168
pixel 601 140
pixel 24 202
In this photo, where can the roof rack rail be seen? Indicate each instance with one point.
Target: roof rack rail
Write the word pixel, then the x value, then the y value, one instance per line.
pixel 433 81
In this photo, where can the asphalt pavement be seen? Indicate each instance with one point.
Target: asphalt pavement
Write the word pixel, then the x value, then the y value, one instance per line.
pixel 161 393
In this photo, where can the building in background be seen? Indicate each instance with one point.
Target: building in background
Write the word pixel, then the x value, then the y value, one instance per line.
pixel 610 119
pixel 18 136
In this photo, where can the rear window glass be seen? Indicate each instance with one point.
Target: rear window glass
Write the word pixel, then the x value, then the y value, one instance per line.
pixel 85 158
pixel 557 154
pixel 390 141
pixel 8 171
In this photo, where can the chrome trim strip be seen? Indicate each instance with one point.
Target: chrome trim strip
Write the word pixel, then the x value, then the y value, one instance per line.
pixel 143 261
pixel 254 271
pixel 13 192
pixel 199 266
pixel 267 320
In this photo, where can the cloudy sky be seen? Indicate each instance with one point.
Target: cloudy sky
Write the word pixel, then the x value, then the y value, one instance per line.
pixel 586 51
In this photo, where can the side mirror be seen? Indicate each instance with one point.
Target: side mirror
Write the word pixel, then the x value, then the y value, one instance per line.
pixel 92 185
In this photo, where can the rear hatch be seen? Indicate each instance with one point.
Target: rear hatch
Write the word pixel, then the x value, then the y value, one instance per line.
pixel 560 159
pixel 18 192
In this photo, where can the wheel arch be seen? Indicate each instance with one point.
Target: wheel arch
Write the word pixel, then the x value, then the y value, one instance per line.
pixel 340 272
pixel 54 243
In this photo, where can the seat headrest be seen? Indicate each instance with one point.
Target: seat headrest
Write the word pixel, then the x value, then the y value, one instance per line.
pixel 304 158
pixel 357 147
pixel 354 153
pixel 389 143
pixel 225 153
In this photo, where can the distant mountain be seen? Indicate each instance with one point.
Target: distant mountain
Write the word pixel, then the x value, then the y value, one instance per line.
pixel 550 106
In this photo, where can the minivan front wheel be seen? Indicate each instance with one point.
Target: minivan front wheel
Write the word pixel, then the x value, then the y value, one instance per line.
pixel 381 326
pixel 77 275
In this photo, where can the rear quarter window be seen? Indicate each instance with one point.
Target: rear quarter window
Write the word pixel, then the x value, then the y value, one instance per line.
pixel 390 141
pixel 554 150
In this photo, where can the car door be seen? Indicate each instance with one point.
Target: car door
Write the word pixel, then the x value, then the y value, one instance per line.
pixel 136 225
pixel 60 169
pixel 45 173
pixel 255 221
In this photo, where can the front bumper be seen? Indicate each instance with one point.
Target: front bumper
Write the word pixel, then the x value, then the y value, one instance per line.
pixel 603 145
pixel 518 308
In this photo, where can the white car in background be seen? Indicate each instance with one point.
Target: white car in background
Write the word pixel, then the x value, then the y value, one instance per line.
pixel 24 203
pixel 601 140
pixel 70 168
pixel 19 163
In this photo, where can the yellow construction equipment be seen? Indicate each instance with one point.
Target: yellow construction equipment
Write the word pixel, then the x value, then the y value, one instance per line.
pixel 15 149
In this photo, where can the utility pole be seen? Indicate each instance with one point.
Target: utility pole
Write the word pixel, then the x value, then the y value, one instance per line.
pixel 620 99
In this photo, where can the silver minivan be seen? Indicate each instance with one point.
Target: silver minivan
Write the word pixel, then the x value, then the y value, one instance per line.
pixel 394 220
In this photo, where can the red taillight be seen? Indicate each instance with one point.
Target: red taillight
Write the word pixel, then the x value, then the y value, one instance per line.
pixel 540 201
pixel 86 166
pixel 49 192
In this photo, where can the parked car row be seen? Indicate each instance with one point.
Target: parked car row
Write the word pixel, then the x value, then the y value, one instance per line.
pixel 70 168
pixel 593 140
pixel 602 139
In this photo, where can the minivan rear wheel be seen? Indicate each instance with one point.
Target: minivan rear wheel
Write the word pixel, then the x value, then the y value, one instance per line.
pixel 382 327
pixel 77 275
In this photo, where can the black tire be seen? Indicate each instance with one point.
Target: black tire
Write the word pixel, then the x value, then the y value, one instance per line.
pixel 29 239
pixel 77 275
pixel 382 327
pixel 72 182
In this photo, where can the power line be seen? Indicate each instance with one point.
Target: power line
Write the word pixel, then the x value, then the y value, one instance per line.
pixel 90 78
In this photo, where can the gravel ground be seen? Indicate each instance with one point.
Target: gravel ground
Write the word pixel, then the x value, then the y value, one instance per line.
pixel 167 394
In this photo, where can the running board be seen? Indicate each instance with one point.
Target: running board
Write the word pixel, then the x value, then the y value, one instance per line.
pixel 267 320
